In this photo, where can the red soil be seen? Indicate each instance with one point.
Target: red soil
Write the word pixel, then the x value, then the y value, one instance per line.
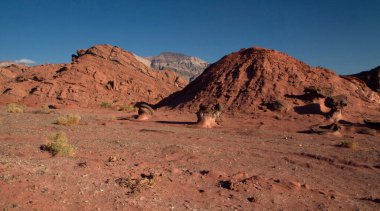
pixel 260 162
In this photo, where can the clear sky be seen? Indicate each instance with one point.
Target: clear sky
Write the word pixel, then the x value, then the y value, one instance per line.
pixel 343 35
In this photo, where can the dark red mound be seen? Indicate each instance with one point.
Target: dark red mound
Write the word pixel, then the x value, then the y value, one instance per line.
pixel 103 73
pixel 371 78
pixel 244 79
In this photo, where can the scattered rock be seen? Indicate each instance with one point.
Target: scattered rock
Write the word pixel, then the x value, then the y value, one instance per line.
pixel 113 159
pixel 251 199
pixel 209 116
pixel 204 172
pixel 82 164
pixel 227 184
pixel 295 185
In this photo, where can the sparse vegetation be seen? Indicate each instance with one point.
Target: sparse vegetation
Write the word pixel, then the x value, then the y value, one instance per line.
pixel 58 144
pixel 15 108
pixel 106 105
pixel 70 119
pixel 349 144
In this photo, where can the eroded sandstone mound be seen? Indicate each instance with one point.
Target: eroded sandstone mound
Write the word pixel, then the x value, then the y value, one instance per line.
pixel 244 80
pixel 102 73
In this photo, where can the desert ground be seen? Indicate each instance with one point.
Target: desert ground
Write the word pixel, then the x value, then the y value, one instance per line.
pixel 262 161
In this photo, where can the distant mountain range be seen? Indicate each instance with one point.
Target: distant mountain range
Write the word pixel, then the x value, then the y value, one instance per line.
pixel 187 66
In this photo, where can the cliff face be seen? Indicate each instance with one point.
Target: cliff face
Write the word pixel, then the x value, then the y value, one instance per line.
pixel 245 79
pixel 187 66
pixel 98 74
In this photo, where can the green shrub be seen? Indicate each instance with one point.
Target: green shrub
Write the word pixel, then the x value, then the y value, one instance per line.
pixel 15 108
pixel 70 119
pixel 58 144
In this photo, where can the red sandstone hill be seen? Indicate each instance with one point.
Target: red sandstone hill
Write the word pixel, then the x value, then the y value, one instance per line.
pixel 102 73
pixel 243 80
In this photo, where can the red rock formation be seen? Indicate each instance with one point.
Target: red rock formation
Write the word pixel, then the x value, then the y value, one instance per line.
pixel 98 74
pixel 371 78
pixel 243 80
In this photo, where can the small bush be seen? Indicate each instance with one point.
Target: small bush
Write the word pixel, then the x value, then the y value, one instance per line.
pixel 58 144
pixel 349 144
pixel 70 119
pixel 106 105
pixel 15 108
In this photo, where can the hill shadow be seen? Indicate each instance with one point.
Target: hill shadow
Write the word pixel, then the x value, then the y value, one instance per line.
pixel 313 108
pixel 176 122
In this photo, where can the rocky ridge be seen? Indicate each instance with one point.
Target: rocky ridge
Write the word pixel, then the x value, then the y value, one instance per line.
pixel 102 73
pixel 371 78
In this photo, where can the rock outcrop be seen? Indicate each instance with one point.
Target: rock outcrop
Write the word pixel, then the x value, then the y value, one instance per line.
pixel 371 78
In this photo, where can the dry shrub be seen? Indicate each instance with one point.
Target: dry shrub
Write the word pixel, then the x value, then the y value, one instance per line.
pixel 349 144
pixel 70 119
pixel 58 144
pixel 106 105
pixel 138 184
pixel 15 108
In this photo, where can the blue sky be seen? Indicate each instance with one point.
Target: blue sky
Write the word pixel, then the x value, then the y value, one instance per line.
pixel 341 35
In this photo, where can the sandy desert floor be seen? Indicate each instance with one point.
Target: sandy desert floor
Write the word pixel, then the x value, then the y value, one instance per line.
pixel 260 162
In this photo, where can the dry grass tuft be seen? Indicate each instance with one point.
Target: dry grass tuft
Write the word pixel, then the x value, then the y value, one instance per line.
pixel 349 144
pixel 58 144
pixel 15 108
pixel 138 184
pixel 106 105
pixel 70 119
